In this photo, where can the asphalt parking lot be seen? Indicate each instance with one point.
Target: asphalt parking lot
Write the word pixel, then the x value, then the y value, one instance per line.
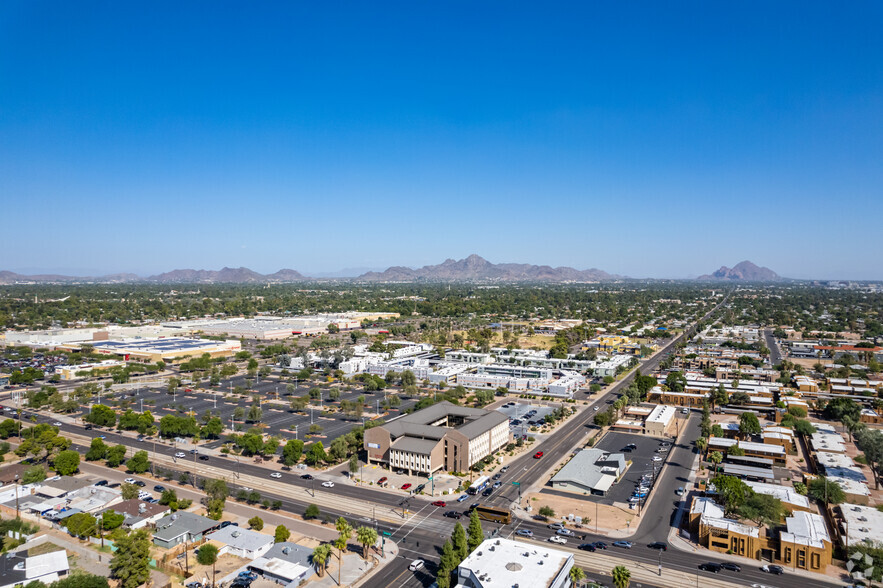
pixel 641 459
pixel 519 410
pixel 277 415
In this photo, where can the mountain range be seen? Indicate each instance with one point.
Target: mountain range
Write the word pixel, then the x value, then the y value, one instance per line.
pixel 744 272
pixel 471 269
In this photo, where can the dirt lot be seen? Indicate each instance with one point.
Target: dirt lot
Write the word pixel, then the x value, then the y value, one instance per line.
pixel 606 518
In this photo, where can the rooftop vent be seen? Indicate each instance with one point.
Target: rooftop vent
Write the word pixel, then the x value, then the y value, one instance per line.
pixel 286 550
pixel 174 517
pixel 236 533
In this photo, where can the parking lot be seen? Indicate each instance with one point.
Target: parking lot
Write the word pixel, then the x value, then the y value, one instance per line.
pixel 519 410
pixel 277 414
pixel 642 463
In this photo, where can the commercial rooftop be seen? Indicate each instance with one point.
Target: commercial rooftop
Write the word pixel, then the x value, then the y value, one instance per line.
pixel 590 469
pixel 434 421
pixel 503 563
pixel 864 525
pixel 784 493
pixel 806 528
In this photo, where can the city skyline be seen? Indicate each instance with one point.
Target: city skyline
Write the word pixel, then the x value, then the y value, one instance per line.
pixel 642 140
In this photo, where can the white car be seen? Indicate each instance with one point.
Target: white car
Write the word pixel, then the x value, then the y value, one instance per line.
pixel 330 484
pixel 129 480
pixel 557 539
pixel 416 565
pixel 657 458
pixel 275 475
pixel 596 408
pixel 56 424
pixel 180 454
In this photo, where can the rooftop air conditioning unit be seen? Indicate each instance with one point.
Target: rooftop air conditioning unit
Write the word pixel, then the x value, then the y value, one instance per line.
pixel 286 550
pixel 236 533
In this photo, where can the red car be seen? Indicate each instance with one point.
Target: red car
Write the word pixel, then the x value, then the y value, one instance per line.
pixel 405 486
pixel 538 455
pixel 439 503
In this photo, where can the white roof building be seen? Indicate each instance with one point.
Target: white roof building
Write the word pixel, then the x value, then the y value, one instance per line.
pixel 503 563
pixel 862 525
pixel 806 528
pixel 784 493
pixel 241 542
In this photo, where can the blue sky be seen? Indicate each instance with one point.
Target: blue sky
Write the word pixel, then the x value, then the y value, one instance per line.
pixel 648 139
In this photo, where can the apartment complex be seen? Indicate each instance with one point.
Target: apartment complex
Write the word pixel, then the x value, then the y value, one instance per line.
pixel 443 436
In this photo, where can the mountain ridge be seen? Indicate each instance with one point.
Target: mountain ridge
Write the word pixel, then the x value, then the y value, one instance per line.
pixel 744 271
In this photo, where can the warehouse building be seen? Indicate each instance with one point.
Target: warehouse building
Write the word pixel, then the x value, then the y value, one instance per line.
pixel 443 436
pixel 168 349
pixel 591 471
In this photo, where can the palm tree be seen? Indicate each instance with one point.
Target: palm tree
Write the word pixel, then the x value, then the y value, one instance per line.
pixel 716 457
pixel 576 574
pixel 320 557
pixel 701 444
pixel 345 530
pixel 621 576
pixel 367 536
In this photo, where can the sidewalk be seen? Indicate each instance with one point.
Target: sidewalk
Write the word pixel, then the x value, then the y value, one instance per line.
pixel 356 571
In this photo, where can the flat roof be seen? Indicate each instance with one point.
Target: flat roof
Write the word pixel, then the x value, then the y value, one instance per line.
pixel 503 563
pixel 741 470
pixel 163 345
pixel 864 523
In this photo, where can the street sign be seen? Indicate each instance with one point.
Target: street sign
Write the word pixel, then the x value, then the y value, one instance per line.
pixel 516 483
pixel 386 534
pixel 429 478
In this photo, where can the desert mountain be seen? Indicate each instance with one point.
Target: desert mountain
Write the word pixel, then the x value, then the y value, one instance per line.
pixel 7 278
pixel 744 272
pixel 477 269
pixel 227 275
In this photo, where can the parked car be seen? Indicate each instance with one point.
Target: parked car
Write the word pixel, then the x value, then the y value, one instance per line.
pixel 680 491
pixel 140 484
pixel 406 486
pixel 159 488
pixel 710 566
pixel 226 524
pixel 101 483
pixel 771 569
pixel 382 481
pixel 328 484
pixel 524 532
pixel 538 455
pixel 440 503
pixel 557 539
pixel 420 488
pixel 658 545
pixel 623 544
pixel 656 458
pixel 416 565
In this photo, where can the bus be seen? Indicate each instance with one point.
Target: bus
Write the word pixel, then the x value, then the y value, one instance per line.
pixel 478 485
pixel 497 515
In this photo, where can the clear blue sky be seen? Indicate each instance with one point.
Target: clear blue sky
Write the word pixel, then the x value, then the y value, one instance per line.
pixel 651 139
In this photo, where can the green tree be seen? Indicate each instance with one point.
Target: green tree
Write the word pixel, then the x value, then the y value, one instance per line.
pixel 748 424
pixel 576 574
pixel 460 543
pixel 547 511
pixel 138 463
pixel 97 450
pixel 871 443
pixel 80 580
pixel 316 454
pixel 81 525
pixel 208 556
pixel 129 491
pixel 732 491
pixel 116 455
pixel 353 465
pixel 33 474
pixel 621 577
pixel 282 534
pixel 474 531
pixel 676 381
pixel 67 463
pixel 292 451
pixel 256 523
pixel 763 509
pixel 255 414
pixel 131 562
pixel 312 512
pixel 716 457
pixel 366 536
pixel 345 530
pixel 826 491
pixel 111 520
pixel 101 415
pixel 216 496
pixel 447 564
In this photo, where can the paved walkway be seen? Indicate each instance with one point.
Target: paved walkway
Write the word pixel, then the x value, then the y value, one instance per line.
pixel 356 571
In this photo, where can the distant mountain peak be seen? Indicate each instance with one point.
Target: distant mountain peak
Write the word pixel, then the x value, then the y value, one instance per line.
pixel 744 271
pixel 478 269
